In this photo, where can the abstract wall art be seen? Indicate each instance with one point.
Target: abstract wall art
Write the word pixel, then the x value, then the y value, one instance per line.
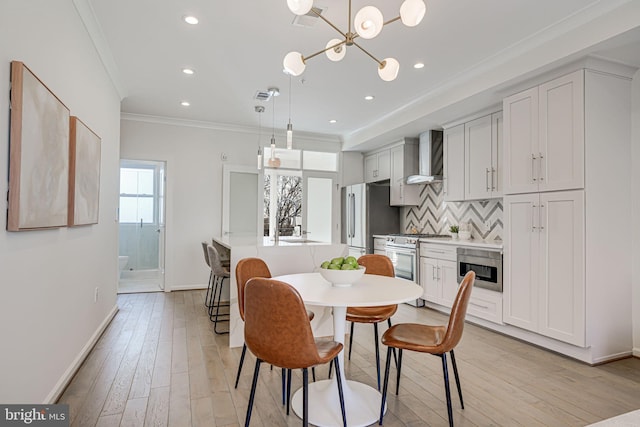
pixel 84 174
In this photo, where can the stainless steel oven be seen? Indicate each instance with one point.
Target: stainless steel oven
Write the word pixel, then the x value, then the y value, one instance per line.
pixel 487 265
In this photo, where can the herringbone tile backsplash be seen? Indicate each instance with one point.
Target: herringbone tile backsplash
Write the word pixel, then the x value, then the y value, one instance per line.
pixel 433 215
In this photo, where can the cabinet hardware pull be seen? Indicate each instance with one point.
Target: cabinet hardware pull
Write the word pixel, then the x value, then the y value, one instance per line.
pixel 433 272
pixel 438 275
pixel 486 179
pixel 486 307
pixel 533 166
pixel 540 174
pixel 540 219
pixel 533 217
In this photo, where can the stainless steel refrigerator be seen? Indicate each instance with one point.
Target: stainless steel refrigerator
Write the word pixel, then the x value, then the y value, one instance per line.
pixel 365 212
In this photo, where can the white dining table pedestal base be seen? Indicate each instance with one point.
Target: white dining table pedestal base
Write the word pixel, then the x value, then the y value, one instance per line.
pixel 362 404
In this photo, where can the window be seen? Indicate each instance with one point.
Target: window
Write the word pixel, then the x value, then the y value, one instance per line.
pixel 137 191
pixel 282 202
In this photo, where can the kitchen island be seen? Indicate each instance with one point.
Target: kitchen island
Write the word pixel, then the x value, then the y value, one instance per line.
pixel 286 256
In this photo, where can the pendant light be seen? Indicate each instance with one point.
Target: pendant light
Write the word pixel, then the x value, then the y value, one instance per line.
pixel 274 162
pixel 259 109
pixel 289 126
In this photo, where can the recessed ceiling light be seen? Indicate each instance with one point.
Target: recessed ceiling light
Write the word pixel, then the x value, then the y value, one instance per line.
pixel 190 20
pixel 185 103
pixel 188 71
pixel 369 97
pixel 332 121
pixel 418 65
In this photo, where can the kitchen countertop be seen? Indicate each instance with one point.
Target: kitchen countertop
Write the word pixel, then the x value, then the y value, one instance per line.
pixel 486 244
pixel 235 241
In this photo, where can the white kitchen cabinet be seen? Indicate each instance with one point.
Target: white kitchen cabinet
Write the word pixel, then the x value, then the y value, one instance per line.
pixel 377 166
pixel 544 136
pixel 544 264
pixel 483 157
pixel 404 162
pixel 438 273
pixel 453 163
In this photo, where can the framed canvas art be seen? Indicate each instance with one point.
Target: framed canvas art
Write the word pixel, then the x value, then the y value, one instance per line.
pixel 84 174
pixel 38 154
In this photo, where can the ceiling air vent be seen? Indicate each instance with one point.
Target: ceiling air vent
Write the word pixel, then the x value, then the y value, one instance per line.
pixel 310 18
pixel 263 95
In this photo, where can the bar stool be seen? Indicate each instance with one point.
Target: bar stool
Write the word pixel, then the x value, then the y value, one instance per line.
pixel 210 282
pixel 219 273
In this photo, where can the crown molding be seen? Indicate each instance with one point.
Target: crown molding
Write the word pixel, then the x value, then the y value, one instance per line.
pixel 88 18
pixel 201 124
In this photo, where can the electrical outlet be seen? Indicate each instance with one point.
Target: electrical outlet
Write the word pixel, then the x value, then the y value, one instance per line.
pixel 95 295
pixel 487 224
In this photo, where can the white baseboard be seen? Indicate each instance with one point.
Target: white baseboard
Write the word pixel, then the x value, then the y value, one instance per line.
pixel 636 352
pixel 66 378
pixel 188 287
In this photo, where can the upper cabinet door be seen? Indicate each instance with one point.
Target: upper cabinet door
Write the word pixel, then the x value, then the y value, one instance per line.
pixel 497 132
pixel 371 168
pixel 521 142
pixel 561 138
pixel 384 165
pixel 453 150
pixel 478 156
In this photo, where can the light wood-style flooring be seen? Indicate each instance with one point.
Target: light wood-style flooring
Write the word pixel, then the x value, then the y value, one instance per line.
pixel 160 364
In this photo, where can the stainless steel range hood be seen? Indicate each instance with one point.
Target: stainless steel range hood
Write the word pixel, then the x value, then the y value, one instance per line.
pixel 430 158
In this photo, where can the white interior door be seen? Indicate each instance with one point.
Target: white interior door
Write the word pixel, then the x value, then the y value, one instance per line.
pixel 242 201
pixel 318 210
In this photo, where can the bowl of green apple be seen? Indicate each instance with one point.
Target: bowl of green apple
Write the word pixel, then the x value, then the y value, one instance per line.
pixel 341 271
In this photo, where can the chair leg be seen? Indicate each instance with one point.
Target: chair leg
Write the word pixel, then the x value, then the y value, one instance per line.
pixel 218 315
pixel 350 339
pixel 455 374
pixel 398 370
pixel 377 347
pixel 385 384
pixel 253 392
pixel 330 369
pixel 305 397
pixel 206 298
pixel 288 390
pixel 313 373
pixel 340 393
pixel 244 351
pixel 395 357
pixel 445 373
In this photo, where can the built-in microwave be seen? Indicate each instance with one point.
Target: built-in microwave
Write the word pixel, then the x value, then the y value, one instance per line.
pixel 487 265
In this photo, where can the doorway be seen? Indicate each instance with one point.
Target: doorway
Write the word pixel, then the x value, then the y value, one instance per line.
pixel 141 226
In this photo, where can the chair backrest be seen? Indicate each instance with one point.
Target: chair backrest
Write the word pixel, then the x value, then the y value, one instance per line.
pixel 248 268
pixel 215 262
pixel 206 254
pixel 458 312
pixel 277 328
pixel 377 264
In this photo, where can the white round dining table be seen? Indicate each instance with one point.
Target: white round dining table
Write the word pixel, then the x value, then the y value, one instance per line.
pixel 362 402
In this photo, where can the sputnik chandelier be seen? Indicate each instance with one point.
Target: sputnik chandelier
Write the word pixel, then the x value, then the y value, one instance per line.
pixel 367 24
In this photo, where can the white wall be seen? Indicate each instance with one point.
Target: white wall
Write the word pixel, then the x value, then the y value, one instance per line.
pixel 635 207
pixel 47 278
pixel 194 183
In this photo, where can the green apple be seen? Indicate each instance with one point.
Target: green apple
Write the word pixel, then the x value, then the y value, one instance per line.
pixel 339 261
pixel 325 264
pixel 334 267
pixel 352 260
pixel 347 266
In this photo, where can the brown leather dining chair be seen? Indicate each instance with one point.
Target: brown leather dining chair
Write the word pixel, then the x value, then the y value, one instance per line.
pixel 437 340
pixel 277 330
pixel 248 268
pixel 382 266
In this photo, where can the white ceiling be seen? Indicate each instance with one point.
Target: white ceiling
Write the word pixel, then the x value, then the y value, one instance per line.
pixel 238 47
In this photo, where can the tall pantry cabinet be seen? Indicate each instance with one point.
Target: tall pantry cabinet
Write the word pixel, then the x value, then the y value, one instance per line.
pixel 566 174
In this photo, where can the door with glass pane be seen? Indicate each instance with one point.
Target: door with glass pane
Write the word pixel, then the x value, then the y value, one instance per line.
pixel 141 222
pixel 241 201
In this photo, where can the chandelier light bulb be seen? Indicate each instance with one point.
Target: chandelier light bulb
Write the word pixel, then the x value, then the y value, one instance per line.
pixel 338 52
pixel 300 7
pixel 293 63
pixel 368 22
pixel 260 161
pixel 412 12
pixel 388 71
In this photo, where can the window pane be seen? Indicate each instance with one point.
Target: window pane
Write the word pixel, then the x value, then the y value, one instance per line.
pixel 128 181
pixel 289 159
pixel 128 209
pixel 145 181
pixel 145 209
pixel 316 160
